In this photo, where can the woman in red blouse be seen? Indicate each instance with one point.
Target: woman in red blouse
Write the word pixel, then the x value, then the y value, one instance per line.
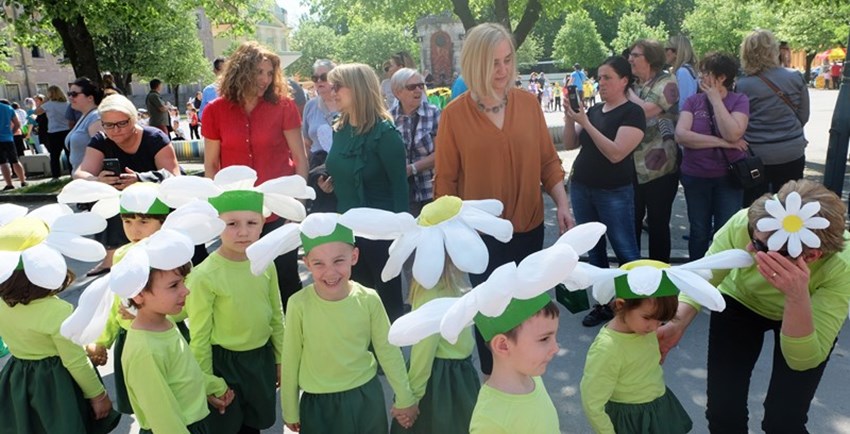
pixel 255 123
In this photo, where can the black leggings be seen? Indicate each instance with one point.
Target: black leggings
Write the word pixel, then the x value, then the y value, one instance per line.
pixel 735 340
pixel 776 175
pixel 193 132
pixel 655 201
pixel 55 145
pixel 518 248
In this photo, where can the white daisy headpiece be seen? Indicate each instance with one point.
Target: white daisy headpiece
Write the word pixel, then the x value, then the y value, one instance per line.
pixel 169 248
pixel 233 189
pixel 512 293
pixel 792 224
pixel 315 230
pixel 37 240
pixel 446 225
pixel 645 278
pixel 141 197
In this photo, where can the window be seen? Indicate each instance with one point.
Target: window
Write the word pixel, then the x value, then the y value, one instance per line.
pixel 13 92
pixel 41 88
pixel 36 52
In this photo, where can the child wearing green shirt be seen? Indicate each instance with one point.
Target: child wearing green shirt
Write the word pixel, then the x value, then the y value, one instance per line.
pixel 48 384
pixel 330 326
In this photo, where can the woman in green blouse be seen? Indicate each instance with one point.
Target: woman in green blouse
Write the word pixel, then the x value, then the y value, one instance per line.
pixel 366 168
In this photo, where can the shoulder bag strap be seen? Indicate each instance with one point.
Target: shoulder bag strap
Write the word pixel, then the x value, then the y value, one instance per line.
pixel 781 95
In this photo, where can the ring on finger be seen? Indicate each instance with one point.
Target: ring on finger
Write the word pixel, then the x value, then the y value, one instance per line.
pixel 773 275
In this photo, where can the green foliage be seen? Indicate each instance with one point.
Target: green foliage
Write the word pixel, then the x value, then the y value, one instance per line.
pixel 375 42
pixel 814 30
pixel 531 51
pixel 709 32
pixel 578 41
pixel 314 41
pixel 633 26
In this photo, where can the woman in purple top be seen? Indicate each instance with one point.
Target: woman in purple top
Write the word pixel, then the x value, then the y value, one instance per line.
pixel 711 128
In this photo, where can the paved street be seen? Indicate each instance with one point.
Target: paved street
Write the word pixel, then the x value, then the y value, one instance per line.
pixel 685 367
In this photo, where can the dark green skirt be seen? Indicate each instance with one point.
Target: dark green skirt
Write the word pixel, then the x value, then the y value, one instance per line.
pixel 199 427
pixel 356 411
pixel 41 397
pixel 665 415
pixel 122 400
pixel 251 374
pixel 450 397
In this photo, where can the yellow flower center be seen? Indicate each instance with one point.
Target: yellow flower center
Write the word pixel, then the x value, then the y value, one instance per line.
pixel 22 233
pixel 792 223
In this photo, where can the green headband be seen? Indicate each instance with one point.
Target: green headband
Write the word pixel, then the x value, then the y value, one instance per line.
pixel 340 234
pixel 157 208
pixel 665 288
pixel 515 314
pixel 238 200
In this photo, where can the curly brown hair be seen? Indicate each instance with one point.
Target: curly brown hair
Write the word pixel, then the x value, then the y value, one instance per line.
pixel 18 289
pixel 240 71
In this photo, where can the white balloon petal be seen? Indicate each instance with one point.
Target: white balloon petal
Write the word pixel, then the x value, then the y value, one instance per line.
pixel 604 290
pixel 464 246
pixel 493 207
pixel 107 207
pixel 423 322
pixel 430 257
pixel 139 197
pixel 644 280
pixel 400 250
pixel 10 211
pixel 285 206
pixel 458 317
pixel 544 269
pixel 768 224
pixel 277 242
pixel 8 262
pixel 583 237
pixel 377 224
pixel 84 223
pixel 180 190
pixel 494 295
pixel 727 259
pixel 76 247
pixel 236 178
pixel 49 213
pixel 168 249
pixel 482 221
pixel 585 275
pixel 697 288
pixel 86 191
pixel 44 266
pixel 130 275
pixel 293 186
pixel 87 322
pixel 197 220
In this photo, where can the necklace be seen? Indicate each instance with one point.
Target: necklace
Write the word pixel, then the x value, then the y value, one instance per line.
pixel 494 109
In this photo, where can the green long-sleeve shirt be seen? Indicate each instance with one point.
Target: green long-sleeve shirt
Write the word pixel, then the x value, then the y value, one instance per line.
pixel 422 355
pixel 231 307
pixel 114 323
pixel 829 288
pixel 498 412
pixel 620 367
pixel 166 387
pixel 369 170
pixel 31 332
pixel 326 347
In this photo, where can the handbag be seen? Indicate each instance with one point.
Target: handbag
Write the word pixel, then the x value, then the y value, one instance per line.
pixel 747 172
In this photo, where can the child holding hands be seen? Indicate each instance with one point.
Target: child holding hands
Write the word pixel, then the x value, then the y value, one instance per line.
pixel 330 326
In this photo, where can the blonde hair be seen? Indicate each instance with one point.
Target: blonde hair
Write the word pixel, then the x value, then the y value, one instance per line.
pixel 453 283
pixel 759 52
pixel 55 93
pixel 118 103
pixel 237 82
pixel 476 58
pixel 367 105
pixel 684 51
pixel 831 208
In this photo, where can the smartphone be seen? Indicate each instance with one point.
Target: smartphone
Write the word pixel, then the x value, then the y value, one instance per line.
pixel 112 165
pixel 572 94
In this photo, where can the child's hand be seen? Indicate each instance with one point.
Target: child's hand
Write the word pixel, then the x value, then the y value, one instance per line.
pixel 101 405
pixel 97 354
pixel 125 314
pixel 293 426
pixel 220 403
pixel 277 381
pixel 406 417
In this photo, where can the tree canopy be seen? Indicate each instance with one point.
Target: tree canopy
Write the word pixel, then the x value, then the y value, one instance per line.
pixel 633 26
pixel 578 41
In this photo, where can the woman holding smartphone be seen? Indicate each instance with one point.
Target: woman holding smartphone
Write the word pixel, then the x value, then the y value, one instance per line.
pixel 601 185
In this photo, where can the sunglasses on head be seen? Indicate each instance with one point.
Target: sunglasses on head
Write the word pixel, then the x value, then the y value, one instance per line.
pixel 318 78
pixel 412 87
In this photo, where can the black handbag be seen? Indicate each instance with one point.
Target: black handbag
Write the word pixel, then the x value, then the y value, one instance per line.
pixel 747 172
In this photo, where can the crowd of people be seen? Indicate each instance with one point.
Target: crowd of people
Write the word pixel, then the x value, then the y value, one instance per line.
pixel 384 191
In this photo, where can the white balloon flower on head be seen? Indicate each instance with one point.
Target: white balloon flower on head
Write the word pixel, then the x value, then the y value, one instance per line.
pixel 792 224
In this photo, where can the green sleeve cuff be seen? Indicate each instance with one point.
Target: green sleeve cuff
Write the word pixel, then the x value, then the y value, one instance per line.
pixel 801 353
pixel 689 301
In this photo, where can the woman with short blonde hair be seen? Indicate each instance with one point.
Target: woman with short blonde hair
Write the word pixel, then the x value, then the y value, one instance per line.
pixel 779 111
pixel 57 126
pixel 493 143
pixel 366 168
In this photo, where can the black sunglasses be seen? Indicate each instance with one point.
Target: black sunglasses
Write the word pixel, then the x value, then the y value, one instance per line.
pixel 386 69
pixel 761 246
pixel 73 93
pixel 336 87
pixel 318 78
pixel 412 87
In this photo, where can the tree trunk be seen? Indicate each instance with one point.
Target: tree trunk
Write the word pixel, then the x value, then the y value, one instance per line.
pixel 123 80
pixel 461 9
pixel 176 88
pixel 526 24
pixel 809 58
pixel 79 46
pixel 502 13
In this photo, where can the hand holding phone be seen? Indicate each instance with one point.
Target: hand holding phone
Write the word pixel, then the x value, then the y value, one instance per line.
pixel 112 165
pixel 572 95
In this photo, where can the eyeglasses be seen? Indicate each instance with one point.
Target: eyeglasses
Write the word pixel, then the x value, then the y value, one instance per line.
pixel 386 69
pixel 336 86
pixel 412 87
pixel 114 125
pixel 634 55
pixel 318 78
pixel 73 93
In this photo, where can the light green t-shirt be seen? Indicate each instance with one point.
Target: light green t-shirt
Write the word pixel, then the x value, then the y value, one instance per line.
pixel 166 387
pixel 422 355
pixel 829 288
pixel 620 367
pixel 326 347
pixel 231 307
pixel 498 412
pixel 32 333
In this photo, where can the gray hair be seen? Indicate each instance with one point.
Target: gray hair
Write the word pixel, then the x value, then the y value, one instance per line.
pixel 323 63
pixel 118 103
pixel 400 78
